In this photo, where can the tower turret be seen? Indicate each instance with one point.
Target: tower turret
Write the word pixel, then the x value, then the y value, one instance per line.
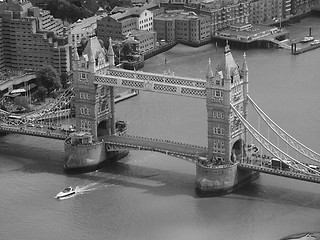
pixel 209 91
pixel 110 54
pixel 209 74
pixel 76 58
pixel 91 57
pixel 245 76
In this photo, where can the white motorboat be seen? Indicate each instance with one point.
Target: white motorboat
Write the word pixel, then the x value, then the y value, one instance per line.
pixel 315 42
pixel 307 39
pixel 66 192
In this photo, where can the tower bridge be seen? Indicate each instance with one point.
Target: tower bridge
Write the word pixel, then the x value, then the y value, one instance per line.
pixel 226 163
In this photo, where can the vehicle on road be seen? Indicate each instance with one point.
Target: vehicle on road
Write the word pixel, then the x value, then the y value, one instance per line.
pixel 52 128
pixel 276 163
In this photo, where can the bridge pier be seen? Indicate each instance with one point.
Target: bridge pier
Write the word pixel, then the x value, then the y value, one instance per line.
pixel 222 179
pixel 82 154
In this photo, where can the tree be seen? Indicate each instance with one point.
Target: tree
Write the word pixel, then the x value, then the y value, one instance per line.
pixel 127 49
pixel 3 107
pixel 66 11
pixel 113 3
pixel 83 44
pixel 22 103
pixel 64 80
pixel 41 93
pixel 48 78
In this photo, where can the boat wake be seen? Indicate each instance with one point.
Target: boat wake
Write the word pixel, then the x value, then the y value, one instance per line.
pixel 86 188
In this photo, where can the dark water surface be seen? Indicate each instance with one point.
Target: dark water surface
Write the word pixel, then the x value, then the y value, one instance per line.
pixel 151 196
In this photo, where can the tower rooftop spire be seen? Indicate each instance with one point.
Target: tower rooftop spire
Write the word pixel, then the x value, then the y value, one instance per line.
pixel 110 49
pixel 227 47
pixel 209 70
pixel 90 51
pixel 244 65
pixel 75 54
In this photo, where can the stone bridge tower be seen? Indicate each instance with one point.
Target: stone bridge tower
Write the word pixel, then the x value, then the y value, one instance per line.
pixel 227 86
pixel 94 108
pixel 94 104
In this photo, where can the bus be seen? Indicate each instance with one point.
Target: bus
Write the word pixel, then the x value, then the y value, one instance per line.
pixel 276 163
pixel 14 117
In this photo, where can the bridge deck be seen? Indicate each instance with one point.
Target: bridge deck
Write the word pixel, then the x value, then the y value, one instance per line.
pixel 289 174
pixel 158 145
pixel 55 134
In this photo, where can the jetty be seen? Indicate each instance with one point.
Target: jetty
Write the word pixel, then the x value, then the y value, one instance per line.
pixel 125 95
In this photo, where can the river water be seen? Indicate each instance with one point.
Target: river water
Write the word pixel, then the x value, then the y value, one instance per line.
pixel 152 196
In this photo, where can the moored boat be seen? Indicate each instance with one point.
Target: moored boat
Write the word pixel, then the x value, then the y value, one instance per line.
pixel 121 127
pixel 307 39
pixel 315 42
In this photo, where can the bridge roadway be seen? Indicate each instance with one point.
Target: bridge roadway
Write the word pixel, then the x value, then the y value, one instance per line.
pixel 283 173
pixel 180 150
pixel 32 131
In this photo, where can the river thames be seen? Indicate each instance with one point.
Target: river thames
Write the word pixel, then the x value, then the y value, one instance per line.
pixel 152 196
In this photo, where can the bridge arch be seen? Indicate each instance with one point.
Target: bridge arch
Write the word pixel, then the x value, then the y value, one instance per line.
pixel 238 150
pixel 103 127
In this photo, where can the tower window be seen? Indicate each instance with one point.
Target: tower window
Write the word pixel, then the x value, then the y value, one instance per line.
pixel 83 75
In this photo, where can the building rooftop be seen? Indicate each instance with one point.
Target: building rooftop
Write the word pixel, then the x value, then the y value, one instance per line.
pixel 248 32
pixel 122 12
pixel 84 23
pixel 12 5
pixel 179 14
pixel 140 33
pixel 217 4
pixel 94 46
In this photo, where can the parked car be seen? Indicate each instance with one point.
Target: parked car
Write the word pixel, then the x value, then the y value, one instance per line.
pixel 52 128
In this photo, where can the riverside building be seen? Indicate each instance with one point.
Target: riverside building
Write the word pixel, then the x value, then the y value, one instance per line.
pixel 262 11
pixel 223 13
pixel 123 21
pixel 83 29
pixel 118 25
pixel 181 26
pixel 31 38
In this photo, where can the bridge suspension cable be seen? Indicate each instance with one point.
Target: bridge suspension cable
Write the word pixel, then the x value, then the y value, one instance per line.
pixel 274 150
pixel 291 141
pixel 49 109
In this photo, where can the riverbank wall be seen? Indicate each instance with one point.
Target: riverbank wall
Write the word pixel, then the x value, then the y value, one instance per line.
pixel 167 46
